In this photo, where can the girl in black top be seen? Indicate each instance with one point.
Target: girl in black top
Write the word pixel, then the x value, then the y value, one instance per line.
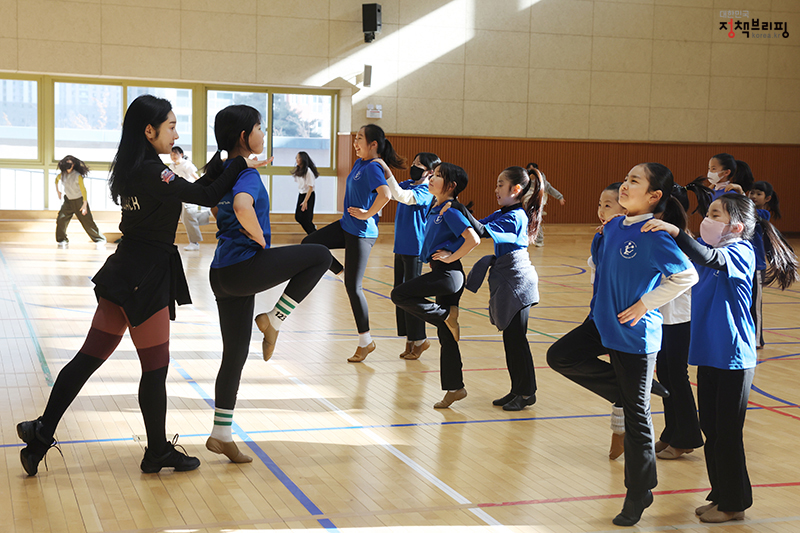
pixel 139 284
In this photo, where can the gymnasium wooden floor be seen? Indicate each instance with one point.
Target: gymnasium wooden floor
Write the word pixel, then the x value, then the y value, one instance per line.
pixel 353 447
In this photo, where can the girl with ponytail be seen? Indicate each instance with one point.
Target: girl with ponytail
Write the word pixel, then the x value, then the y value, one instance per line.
pixel 366 192
pixel 513 282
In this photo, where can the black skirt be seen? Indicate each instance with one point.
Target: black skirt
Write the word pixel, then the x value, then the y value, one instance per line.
pixel 143 277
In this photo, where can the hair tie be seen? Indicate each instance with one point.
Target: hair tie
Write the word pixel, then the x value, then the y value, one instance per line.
pixel 223 154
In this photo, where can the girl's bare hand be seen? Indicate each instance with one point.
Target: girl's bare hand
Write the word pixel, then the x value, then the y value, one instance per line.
pixel 357 212
pixel 255 163
pixel 442 255
pixel 655 224
pixel 633 314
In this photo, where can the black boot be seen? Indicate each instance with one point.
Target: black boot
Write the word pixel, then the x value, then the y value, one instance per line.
pixel 171 458
pixel 37 447
pixel 632 509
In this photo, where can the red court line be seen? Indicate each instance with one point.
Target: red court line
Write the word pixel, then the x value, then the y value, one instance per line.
pixel 774 410
pixel 617 496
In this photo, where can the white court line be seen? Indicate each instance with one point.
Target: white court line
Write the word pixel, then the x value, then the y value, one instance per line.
pixel 419 469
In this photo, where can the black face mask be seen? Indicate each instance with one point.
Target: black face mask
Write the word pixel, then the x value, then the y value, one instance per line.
pixel 416 173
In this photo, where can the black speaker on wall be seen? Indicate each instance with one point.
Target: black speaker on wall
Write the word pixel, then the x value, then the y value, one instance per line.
pixel 371 21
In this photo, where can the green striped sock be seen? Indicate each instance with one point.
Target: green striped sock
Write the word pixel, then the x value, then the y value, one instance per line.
pixel 283 308
pixel 223 419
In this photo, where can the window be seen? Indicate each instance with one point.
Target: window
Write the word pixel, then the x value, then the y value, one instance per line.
pixel 88 120
pixel 21 188
pixel 301 122
pixel 19 119
pixel 218 100
pixel 181 100
pixel 283 198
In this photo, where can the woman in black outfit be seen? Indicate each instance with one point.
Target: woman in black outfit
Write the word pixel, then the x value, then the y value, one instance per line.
pixel 139 284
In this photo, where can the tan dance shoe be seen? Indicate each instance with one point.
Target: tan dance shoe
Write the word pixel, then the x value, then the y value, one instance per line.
pixel 450 397
pixel 673 453
pixel 617 445
pixel 661 445
pixel 416 351
pixel 452 322
pixel 361 353
pixel 270 335
pixel 409 345
pixel 715 516
pixel 704 508
pixel 228 449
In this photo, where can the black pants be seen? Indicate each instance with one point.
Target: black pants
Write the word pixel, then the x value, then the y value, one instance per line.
pixel 306 218
pixel 518 355
pixel 756 308
pixel 73 207
pixel 235 288
pixel 356 255
pixel 446 283
pixel 628 380
pixel 722 397
pixel 406 268
pixel 681 429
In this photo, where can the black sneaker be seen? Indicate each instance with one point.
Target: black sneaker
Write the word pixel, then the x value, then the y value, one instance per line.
pixel 171 458
pixel 37 447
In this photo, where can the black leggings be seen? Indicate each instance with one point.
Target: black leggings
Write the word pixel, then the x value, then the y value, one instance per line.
pixel 306 218
pixel 356 255
pixel 235 287
pixel 446 283
pixel 518 355
pixel 406 268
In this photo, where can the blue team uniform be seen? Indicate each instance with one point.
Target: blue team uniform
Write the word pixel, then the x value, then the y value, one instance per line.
pixel 443 232
pixel 508 229
pixel 409 222
pixel 363 180
pixel 723 334
pixel 630 264
pixel 233 246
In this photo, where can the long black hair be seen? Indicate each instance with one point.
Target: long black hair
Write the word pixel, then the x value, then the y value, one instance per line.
pixel 428 160
pixel 374 133
pixel 76 164
pixel 703 194
pixel 727 162
pixel 782 265
pixel 305 164
pixel 133 145
pixel 229 124
pixel 531 197
pixel 772 204
pixel 743 176
pixel 453 175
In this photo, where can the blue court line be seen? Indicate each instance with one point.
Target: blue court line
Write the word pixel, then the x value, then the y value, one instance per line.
pixel 48 377
pixel 770 396
pixel 274 468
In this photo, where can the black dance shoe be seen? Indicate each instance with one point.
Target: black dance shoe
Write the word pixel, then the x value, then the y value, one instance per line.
pixel 171 458
pixel 504 400
pixel 659 390
pixel 519 403
pixel 632 510
pixel 37 447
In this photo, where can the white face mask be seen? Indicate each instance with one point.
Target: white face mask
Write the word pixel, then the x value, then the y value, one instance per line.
pixel 714 177
pixel 711 231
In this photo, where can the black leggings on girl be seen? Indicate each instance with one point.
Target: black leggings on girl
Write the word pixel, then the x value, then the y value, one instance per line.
pixel 356 255
pixel 306 218
pixel 151 339
pixel 446 283
pixel 235 287
pixel 518 355
pixel 406 268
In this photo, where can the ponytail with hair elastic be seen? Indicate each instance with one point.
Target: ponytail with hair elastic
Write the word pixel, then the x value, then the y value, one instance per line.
pixel 374 133
pixel 702 193
pixel 782 265
pixel 532 198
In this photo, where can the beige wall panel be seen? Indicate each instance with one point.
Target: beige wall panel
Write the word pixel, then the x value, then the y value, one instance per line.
pixel 59 57
pixel 680 57
pixel 735 126
pixel 782 127
pixel 620 89
pixel 433 13
pixel 435 45
pixel 157 4
pixel 678 125
pixel 346 38
pixel 643 2
pixel 291 36
pixel 242 7
pixel 44 19
pixel 558 121
pixel 746 60
pixel 389 120
pixel 419 80
pixel 8 14
pixel 571 17
pixel 496 84
pixel 218 66
pixel 738 93
pixel 673 91
pixel 290 70
pixel 791 6
pixel 498 48
pixel 792 19
pixel 8 59
pixel 384 75
pixel 499 15
pixel 686 3
pixel 348 10
pixel 567 52
pixel 613 54
pixel 218 32
pixel 612 19
pixel 784 62
pixel 437 117
pixel 755 6
pixel 136 26
pixel 559 86
pixel 674 23
pixel 303 9
pixel 783 95
pixel 495 119
pixel 140 61
pixel 611 122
